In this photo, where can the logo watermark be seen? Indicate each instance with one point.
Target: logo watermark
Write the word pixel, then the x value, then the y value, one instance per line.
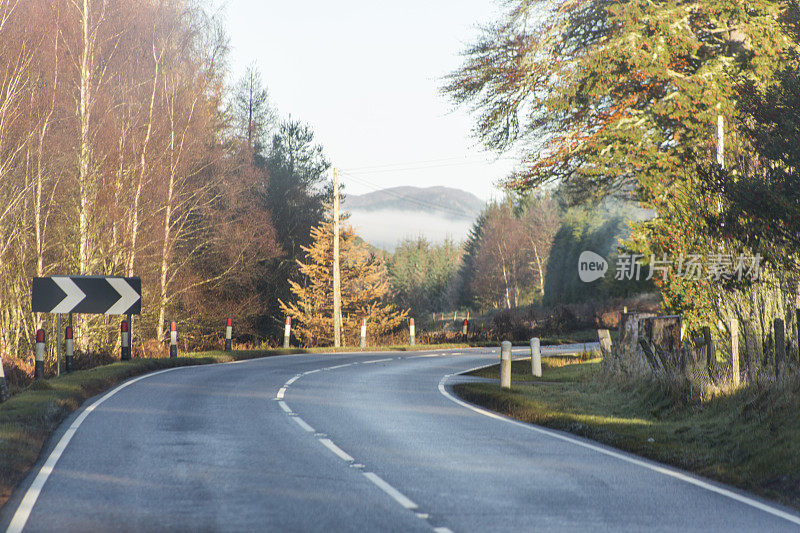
pixel 631 267
pixel 591 266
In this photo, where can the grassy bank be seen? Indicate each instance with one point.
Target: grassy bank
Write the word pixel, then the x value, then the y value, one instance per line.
pixel 747 439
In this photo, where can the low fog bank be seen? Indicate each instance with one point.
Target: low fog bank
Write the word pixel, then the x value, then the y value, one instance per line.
pixel 385 228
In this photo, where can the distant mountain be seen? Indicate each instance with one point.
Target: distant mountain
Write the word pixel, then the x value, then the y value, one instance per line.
pixel 450 203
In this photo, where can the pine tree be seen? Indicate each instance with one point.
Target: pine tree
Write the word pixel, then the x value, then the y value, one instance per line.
pixel 365 290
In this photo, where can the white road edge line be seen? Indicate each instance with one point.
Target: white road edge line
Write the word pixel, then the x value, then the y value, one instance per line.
pixel 655 468
pixel 286 408
pixel 442 530
pixel 395 494
pixel 281 392
pixel 303 424
pixel 292 380
pixel 328 443
pixel 32 494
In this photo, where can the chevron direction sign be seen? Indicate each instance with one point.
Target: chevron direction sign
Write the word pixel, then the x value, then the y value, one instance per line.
pixel 98 295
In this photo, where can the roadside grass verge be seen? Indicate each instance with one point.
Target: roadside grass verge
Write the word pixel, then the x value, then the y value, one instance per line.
pixel 748 439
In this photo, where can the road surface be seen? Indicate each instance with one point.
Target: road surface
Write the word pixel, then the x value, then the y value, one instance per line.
pixel 347 442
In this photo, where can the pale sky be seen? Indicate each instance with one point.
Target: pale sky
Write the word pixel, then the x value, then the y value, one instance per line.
pixel 365 75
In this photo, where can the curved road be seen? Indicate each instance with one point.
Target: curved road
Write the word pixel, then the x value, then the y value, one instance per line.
pixel 347 442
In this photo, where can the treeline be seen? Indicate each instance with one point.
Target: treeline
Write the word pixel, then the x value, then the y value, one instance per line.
pixel 689 110
pixel 123 152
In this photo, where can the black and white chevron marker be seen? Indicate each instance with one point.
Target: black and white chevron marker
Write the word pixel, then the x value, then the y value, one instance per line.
pixel 98 295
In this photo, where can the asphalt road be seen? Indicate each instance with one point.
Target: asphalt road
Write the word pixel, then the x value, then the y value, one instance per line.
pixel 347 442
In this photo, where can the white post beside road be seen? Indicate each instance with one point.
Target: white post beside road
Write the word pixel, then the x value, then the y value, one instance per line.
pixel 125 341
pixel 363 332
pixel 68 349
pixel 173 340
pixel 287 333
pixel 38 369
pixel 411 331
pixel 229 335
pixel 505 365
pixel 536 358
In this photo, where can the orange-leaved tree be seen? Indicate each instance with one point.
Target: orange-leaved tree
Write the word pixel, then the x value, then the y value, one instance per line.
pixel 365 290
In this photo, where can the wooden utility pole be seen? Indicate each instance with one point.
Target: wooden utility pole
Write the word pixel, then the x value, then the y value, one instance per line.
pixel 337 282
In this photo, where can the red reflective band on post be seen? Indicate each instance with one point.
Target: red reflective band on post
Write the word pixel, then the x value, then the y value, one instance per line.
pixel 363 322
pixel 288 321
pixel 465 321
pixel 68 333
pixel 40 336
pixel 124 326
pixel 412 321
pixel 173 326
pixel 230 322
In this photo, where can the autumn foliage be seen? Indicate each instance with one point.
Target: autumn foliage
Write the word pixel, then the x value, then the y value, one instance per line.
pixel 365 290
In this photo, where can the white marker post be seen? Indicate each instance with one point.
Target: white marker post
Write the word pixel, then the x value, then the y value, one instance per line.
pixel 228 335
pixel 38 369
pixel 505 365
pixel 68 349
pixel 287 333
pixel 3 385
pixel 465 329
pixel 363 332
pixel 173 340
pixel 125 336
pixel 411 331
pixel 536 358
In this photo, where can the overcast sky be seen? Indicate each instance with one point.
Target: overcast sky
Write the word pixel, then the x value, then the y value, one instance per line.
pixel 365 75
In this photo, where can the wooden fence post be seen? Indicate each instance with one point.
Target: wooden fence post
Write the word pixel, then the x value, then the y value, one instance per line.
pixel 780 346
pixel 711 354
pixel 735 351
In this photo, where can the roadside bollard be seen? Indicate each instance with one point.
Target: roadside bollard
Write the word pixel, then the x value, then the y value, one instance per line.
pixel 173 340
pixel 126 341
pixel 3 385
pixel 411 332
pixel 363 332
pixel 228 335
pixel 38 369
pixel 69 348
pixel 505 365
pixel 287 333
pixel 464 329
pixel 536 358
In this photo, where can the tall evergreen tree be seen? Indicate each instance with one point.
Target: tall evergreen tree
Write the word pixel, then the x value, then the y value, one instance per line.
pixel 365 290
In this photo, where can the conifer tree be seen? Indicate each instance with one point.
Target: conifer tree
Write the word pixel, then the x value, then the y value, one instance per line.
pixel 365 290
